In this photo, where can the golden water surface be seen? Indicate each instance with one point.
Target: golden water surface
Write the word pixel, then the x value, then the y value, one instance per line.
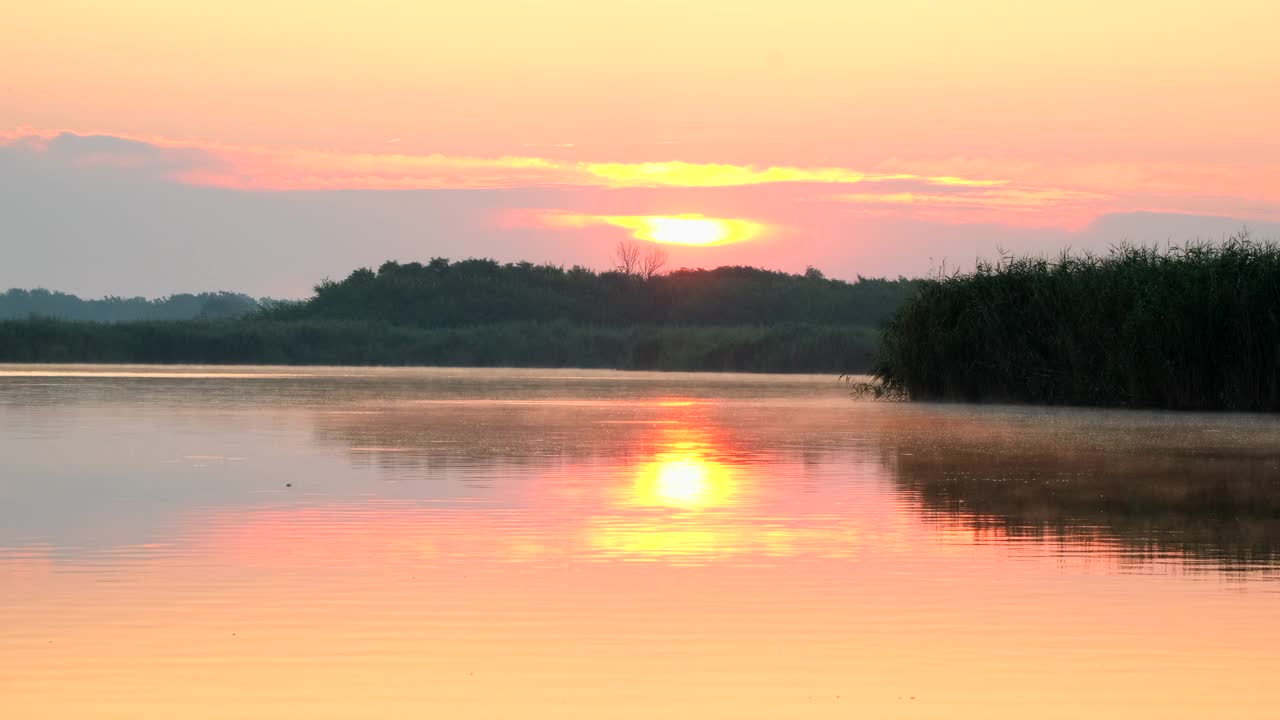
pixel 355 543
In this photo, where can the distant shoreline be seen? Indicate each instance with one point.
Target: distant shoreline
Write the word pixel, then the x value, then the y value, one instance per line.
pixel 481 313
pixel 782 348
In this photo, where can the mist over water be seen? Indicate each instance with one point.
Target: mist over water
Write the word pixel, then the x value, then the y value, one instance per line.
pixel 349 543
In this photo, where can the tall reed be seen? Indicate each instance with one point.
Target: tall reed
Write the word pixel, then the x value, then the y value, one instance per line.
pixel 1195 326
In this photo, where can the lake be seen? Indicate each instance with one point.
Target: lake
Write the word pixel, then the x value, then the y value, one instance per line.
pixel 413 543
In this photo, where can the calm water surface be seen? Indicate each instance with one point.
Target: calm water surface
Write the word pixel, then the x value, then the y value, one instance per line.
pixel 351 543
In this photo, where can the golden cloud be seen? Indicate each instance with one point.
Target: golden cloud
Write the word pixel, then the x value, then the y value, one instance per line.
pixel 249 167
pixel 691 229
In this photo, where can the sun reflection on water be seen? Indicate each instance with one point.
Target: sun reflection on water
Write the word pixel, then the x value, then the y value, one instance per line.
pixel 682 503
pixel 684 478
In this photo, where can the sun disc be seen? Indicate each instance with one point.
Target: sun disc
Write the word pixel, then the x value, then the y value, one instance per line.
pixel 691 229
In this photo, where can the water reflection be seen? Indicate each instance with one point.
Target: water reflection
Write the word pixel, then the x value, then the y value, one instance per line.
pixel 600 469
pixel 684 473
pixel 1207 492
pixel 485 544
pixel 692 478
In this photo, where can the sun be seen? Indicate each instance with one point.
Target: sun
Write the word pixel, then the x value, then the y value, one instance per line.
pixel 685 230
pixel 689 229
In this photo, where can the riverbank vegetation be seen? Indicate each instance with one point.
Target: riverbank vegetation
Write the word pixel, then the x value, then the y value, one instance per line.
pixel 749 348
pixel 1190 327
pixel 482 313
pixel 17 304
pixel 478 292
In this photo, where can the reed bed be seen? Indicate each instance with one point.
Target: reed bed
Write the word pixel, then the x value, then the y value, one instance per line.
pixel 1190 327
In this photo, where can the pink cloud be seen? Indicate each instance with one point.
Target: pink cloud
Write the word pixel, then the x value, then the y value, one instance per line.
pixel 273 168
pixel 623 197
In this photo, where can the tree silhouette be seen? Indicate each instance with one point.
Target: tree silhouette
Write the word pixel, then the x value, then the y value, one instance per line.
pixel 652 262
pixel 627 257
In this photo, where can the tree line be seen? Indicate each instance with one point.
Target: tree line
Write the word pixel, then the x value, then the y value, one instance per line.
pixel 257 341
pixel 479 312
pixel 21 304
pixel 472 292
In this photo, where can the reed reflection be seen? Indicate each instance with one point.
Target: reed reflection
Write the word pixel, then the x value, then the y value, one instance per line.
pixel 1172 490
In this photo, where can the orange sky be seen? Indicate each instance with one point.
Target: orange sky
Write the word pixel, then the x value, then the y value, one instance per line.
pixel 868 124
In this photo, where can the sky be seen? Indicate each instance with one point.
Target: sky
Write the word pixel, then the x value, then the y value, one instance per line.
pixel 152 147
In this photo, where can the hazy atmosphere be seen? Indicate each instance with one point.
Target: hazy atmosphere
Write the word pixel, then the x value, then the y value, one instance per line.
pixel 639 359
